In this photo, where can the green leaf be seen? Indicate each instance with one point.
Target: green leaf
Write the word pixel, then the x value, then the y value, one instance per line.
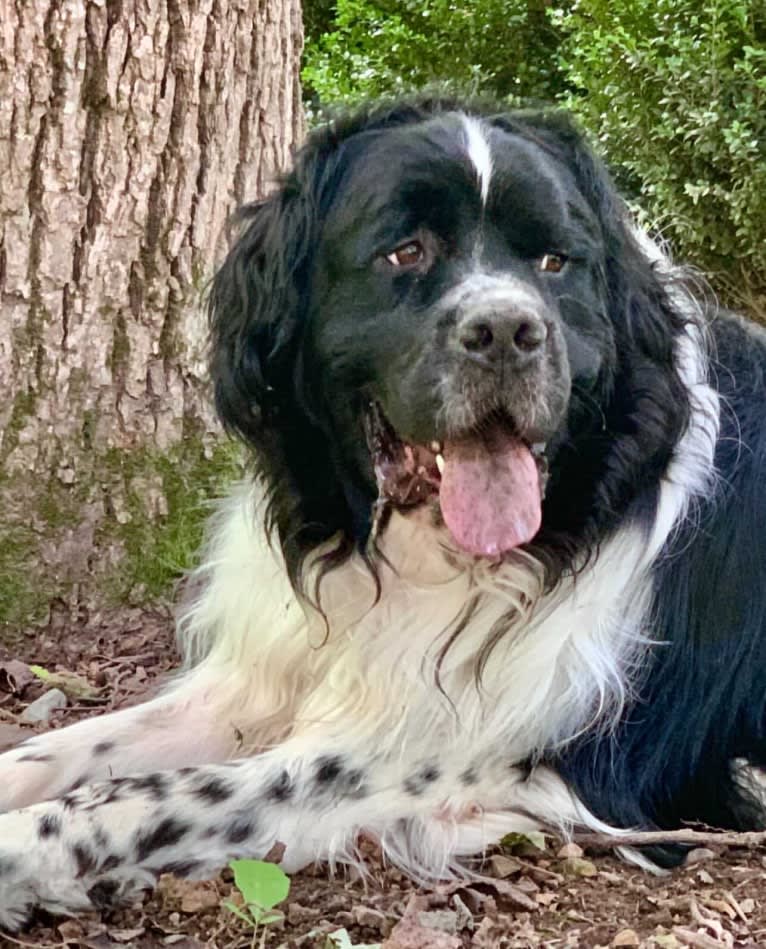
pixel 261 884
pixel 40 671
pixel 232 907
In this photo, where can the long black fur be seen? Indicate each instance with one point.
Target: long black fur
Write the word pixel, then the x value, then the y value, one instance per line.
pixel 701 701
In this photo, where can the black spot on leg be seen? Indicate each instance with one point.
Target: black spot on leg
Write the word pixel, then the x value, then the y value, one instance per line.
pixel 111 863
pixel 101 839
pixel 84 858
pixel 328 769
pixel 469 777
pixel 416 784
pixel 281 789
pixel 180 868
pixel 102 748
pixel 102 894
pixel 168 832
pixel 34 757
pixel 354 785
pixel 212 789
pixel 155 785
pixel 49 826
pixel 413 787
pixel 240 830
pixel 83 779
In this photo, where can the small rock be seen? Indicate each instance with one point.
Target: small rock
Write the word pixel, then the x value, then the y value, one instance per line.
pixel 41 709
pixel 626 937
pixel 699 855
pixel 569 850
pixel 704 877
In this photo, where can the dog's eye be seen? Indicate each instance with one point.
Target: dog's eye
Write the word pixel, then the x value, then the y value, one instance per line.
pixel 408 255
pixel 552 263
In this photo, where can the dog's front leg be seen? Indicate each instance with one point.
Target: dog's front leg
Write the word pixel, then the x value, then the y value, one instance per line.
pixel 104 843
pixel 187 725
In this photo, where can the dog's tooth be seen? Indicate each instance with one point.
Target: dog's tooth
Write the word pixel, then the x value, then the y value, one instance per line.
pixel 440 463
pixel 435 447
pixel 539 448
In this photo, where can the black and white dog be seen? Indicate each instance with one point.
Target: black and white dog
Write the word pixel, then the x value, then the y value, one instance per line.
pixel 503 565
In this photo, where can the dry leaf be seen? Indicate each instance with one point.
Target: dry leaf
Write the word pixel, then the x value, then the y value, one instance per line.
pixel 578 867
pixel 15 676
pixel 503 866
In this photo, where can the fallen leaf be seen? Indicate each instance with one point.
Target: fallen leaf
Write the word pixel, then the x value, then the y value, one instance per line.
pixel 545 899
pixel 533 841
pixel 70 930
pixel 503 866
pixel 15 676
pixel 666 941
pixel 126 935
pixel 72 685
pixel 579 867
pixel 409 933
pixel 721 906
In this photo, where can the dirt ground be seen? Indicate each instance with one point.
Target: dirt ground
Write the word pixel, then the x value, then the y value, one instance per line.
pixel 528 897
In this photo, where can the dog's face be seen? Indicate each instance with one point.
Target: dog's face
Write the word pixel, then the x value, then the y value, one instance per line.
pixel 425 315
pixel 454 300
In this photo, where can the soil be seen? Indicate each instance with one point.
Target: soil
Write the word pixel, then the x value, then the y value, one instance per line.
pixel 527 897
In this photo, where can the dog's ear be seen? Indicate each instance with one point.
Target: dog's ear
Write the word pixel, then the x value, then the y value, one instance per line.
pixel 259 307
pixel 256 309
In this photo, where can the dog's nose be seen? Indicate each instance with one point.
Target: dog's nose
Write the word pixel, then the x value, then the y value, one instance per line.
pixel 514 338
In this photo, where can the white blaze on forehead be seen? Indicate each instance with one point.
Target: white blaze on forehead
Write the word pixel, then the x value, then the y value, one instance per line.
pixel 479 153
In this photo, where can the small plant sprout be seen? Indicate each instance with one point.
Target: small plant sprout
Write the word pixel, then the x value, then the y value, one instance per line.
pixel 262 885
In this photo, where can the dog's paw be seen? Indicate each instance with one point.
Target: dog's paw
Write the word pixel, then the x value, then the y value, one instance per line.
pixel 43 867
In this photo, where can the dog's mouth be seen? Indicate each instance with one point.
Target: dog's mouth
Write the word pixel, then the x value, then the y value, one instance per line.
pixel 489 483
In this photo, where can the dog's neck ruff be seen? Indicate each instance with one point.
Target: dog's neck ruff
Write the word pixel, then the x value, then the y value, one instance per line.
pixel 562 661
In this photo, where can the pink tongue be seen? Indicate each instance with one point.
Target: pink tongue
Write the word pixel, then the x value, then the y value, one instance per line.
pixel 490 494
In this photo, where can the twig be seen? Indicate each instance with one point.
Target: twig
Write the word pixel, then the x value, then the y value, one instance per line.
pixel 698 838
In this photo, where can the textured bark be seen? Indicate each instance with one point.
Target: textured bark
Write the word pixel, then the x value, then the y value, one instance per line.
pixel 129 131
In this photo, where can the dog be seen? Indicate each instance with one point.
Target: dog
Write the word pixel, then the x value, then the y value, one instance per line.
pixel 502 563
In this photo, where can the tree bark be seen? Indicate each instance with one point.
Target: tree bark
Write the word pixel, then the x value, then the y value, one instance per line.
pixel 129 131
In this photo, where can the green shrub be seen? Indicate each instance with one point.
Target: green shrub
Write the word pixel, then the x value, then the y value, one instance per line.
pixel 364 48
pixel 675 91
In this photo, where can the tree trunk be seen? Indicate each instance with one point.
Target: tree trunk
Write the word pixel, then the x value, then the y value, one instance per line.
pixel 129 131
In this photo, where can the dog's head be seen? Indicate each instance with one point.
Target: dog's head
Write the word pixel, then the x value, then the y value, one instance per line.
pixel 444 306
